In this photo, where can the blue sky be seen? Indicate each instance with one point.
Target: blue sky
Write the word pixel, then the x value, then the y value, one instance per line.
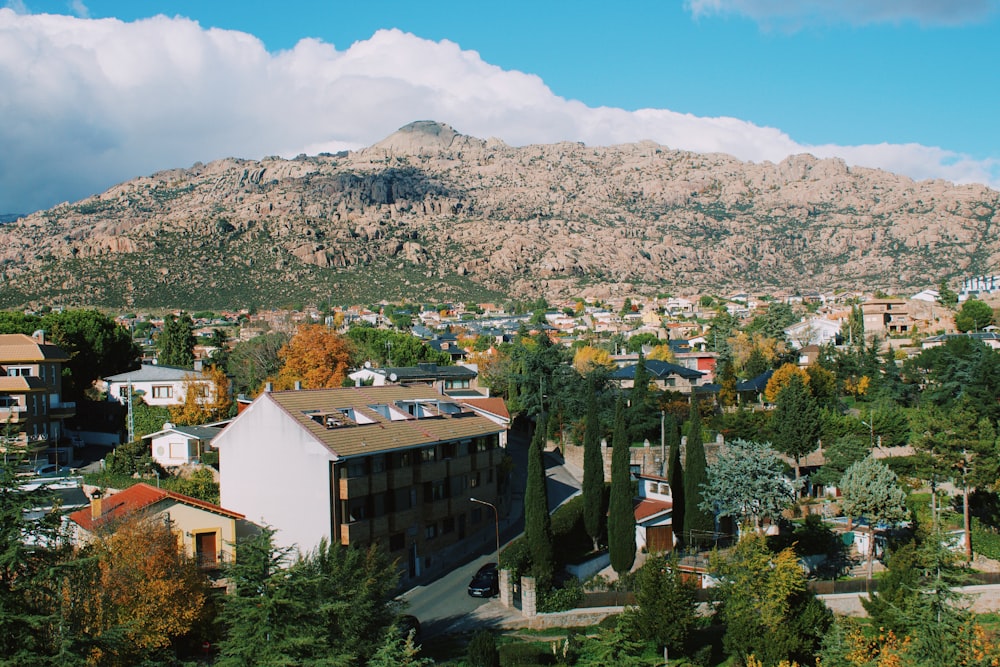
pixel 906 85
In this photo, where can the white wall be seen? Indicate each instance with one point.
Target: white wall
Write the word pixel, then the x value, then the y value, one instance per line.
pixel 275 473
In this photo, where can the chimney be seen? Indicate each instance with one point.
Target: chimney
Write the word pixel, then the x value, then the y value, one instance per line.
pixel 198 365
pixel 298 385
pixel 39 336
pixel 268 387
pixel 95 505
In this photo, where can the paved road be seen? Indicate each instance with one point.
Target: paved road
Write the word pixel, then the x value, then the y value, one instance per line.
pixel 444 605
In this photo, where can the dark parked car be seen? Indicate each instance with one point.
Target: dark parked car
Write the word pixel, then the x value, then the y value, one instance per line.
pixel 486 582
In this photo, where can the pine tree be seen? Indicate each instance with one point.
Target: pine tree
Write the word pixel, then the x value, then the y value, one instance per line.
pixel 537 522
pixel 176 342
pixel 675 473
pixel 593 469
pixel 641 417
pixel 796 421
pixel 621 515
pixel 697 522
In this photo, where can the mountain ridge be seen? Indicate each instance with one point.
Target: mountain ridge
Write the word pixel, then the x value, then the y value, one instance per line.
pixel 429 213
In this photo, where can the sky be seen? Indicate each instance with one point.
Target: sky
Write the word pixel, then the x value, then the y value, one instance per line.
pixel 95 92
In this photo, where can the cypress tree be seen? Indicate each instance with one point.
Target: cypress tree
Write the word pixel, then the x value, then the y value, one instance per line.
pixel 537 522
pixel 697 522
pixel 675 474
pixel 593 468
pixel 176 342
pixel 641 417
pixel 621 515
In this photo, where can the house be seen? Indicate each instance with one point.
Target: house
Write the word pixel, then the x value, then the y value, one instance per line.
pixel 989 338
pixel 160 385
pixel 886 317
pixel 181 445
pixel 654 529
pixel 207 532
pixel 446 379
pixel 663 374
pixel 814 331
pixel 395 465
pixel 31 390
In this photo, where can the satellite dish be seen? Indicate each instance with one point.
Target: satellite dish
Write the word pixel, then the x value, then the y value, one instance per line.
pixel 368 364
pixel 393 377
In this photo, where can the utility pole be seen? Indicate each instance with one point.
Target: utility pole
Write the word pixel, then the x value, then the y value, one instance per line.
pixel 663 444
pixel 131 415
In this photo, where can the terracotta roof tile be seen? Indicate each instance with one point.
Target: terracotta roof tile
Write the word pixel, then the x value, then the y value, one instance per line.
pixel 136 498
pixel 647 507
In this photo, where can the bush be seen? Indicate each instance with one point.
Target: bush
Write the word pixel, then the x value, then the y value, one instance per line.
pixel 482 651
pixel 516 557
pixel 985 540
pixel 561 599
pixel 525 654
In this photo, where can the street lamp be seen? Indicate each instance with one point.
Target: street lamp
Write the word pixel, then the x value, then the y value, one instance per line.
pixel 496 515
pixel 871 430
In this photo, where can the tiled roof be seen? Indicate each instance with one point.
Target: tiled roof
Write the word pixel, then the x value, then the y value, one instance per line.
pixel 380 433
pixel 136 498
pixel 493 405
pixel 657 369
pixel 18 347
pixel 21 383
pixel 646 508
pixel 154 373
pixel 758 383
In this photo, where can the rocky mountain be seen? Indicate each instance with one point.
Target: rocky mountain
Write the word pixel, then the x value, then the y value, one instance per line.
pixel 429 214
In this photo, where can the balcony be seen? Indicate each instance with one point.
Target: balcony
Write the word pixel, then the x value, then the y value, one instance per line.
pixel 379 483
pixel 355 532
pixel 401 477
pixel 436 510
pixel 15 414
pixel 62 409
pixel 353 487
pixel 400 521
pixel 459 466
pixel 433 470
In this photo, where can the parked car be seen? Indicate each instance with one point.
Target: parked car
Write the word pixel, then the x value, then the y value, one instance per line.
pixel 485 582
pixel 50 470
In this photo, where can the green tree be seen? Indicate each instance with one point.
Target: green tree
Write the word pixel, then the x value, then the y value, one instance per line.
pixel 25 565
pixel 757 364
pixel 675 473
pixel 643 417
pixel 593 469
pixel 251 362
pixel 898 591
pixel 765 605
pixel 774 321
pixel 973 316
pixel 838 457
pixel 962 367
pixel 722 327
pixel 727 385
pixel 175 344
pixel 537 521
pixel 665 608
pixel 482 651
pixel 392 348
pixel 621 515
pixel 946 296
pixel 871 490
pixel 611 647
pixel 747 483
pixel 698 522
pixel 332 606
pixel 795 423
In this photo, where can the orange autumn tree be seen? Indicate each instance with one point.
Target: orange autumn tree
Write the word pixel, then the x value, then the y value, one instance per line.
pixel 204 403
pixel 588 358
pixel 780 378
pixel 315 356
pixel 138 595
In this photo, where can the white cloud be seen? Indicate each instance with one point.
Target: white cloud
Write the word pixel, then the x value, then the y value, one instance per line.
pixel 79 9
pixel 90 103
pixel 796 13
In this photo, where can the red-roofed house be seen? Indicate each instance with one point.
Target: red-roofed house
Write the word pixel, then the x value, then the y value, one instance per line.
pixel 207 532
pixel 654 518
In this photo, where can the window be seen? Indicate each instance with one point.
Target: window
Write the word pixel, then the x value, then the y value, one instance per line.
pixel 427 454
pixel 397 542
pixel 356 468
pixel 19 371
pixel 456 384
pixel 378 464
pixel 123 391
pixel 431 531
pixel 434 491
pixel 474 480
pixel 163 391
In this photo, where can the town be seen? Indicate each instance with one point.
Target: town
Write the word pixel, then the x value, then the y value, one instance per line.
pixel 752 477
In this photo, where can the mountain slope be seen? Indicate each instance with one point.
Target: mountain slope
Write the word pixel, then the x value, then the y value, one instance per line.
pixel 430 214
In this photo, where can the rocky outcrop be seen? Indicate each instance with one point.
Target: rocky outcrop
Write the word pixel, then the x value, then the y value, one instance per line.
pixel 428 203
